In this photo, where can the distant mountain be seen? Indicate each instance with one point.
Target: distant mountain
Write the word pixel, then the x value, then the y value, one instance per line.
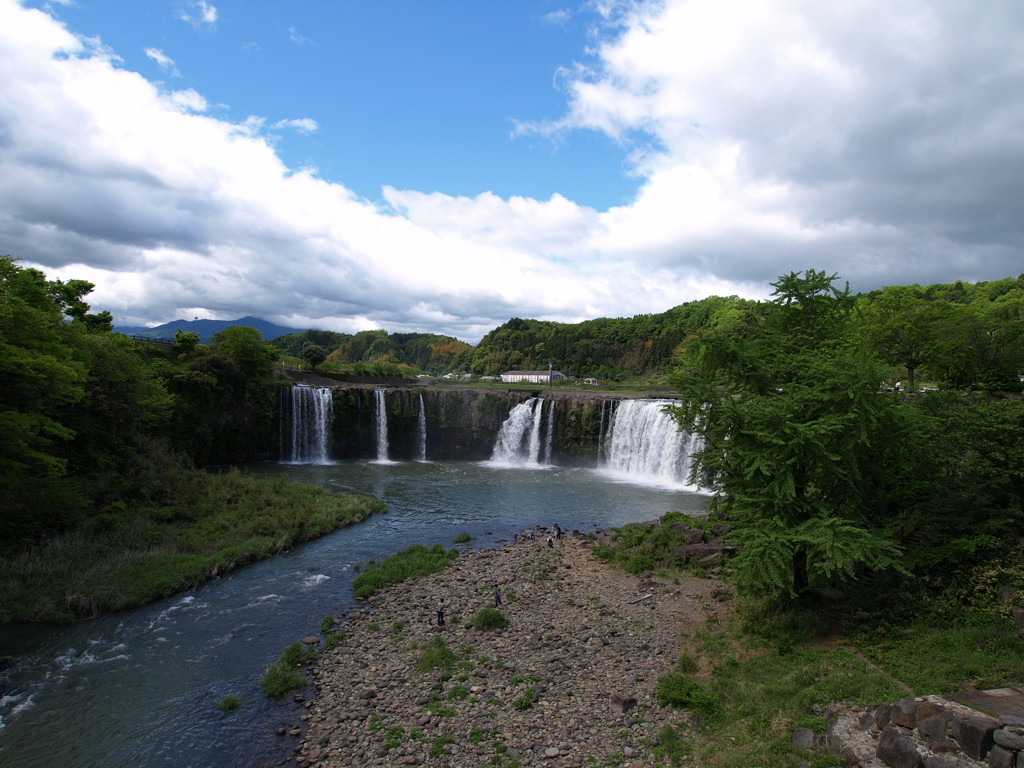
pixel 205 328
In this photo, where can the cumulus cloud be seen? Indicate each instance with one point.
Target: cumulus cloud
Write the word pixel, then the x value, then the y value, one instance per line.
pixel 878 141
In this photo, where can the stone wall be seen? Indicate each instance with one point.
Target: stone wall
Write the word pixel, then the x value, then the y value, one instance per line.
pixel 928 732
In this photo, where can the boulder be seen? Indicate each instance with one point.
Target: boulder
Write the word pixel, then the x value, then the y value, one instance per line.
pixel 974 734
pixel 904 712
pixel 897 750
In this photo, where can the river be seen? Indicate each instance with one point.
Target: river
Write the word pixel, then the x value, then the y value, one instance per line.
pixel 141 688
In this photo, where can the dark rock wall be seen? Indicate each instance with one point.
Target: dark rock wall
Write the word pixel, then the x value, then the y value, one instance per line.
pixel 462 423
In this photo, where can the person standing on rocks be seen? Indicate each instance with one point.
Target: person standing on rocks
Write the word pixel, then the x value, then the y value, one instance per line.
pixel 440 614
pixel 557 530
pixel 497 596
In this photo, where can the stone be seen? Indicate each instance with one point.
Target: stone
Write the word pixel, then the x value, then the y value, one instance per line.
pixel 904 712
pixel 932 727
pixel 311 640
pixel 1001 758
pixel 883 714
pixel 974 734
pixel 1004 737
pixel 939 761
pixel 897 750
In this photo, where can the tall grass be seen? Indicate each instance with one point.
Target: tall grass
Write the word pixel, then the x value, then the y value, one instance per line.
pixel 132 555
pixel 410 563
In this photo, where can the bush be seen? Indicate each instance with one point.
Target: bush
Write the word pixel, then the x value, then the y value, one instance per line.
pixel 678 690
pixel 281 678
pixel 489 618
pixel 437 655
pixel 230 702
pixel 463 538
pixel 525 701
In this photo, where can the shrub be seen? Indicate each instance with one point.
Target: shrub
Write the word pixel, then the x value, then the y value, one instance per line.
pixel 463 538
pixel 489 618
pixel 230 702
pixel 678 690
pixel 333 639
pixel 525 701
pixel 281 678
pixel 327 624
pixel 296 654
pixel 437 655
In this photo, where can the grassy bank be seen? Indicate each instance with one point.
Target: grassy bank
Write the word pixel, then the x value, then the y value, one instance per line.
pixel 744 686
pixel 132 555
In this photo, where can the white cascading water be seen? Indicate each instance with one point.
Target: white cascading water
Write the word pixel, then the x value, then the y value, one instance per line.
pixel 519 443
pixel 421 433
pixel 380 404
pixel 307 414
pixel 645 444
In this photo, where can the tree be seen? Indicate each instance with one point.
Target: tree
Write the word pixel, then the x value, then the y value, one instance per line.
pixel 314 354
pixel 795 435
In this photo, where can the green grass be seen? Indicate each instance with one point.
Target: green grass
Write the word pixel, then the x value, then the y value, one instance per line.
pixel 285 675
pixel 230 702
pixel 463 538
pixel 148 552
pixel 436 655
pixel 524 701
pixel 489 618
pixel 946 659
pixel 410 563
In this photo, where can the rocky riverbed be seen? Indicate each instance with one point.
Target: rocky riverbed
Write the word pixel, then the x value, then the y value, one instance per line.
pixel 571 681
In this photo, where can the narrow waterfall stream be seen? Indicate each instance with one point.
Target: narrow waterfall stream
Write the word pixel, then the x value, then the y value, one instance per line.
pixel 381 405
pixel 421 432
pixel 306 418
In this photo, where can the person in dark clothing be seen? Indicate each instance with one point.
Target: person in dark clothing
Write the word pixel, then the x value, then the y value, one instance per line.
pixel 440 614
pixel 497 596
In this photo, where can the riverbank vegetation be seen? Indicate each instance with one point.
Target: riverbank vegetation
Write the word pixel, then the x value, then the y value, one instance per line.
pixel 104 501
pixel 132 554
pixel 744 686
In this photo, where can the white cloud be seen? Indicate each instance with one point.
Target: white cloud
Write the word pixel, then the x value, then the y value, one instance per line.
pixel 165 62
pixel 768 137
pixel 199 13
pixel 297 38
pixel 301 124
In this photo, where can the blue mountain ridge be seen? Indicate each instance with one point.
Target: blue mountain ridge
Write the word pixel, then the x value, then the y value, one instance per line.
pixel 206 328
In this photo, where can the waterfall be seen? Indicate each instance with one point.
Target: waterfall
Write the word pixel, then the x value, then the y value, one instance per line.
pixel 551 432
pixel 518 442
pixel 306 417
pixel 644 443
pixel 380 403
pixel 421 427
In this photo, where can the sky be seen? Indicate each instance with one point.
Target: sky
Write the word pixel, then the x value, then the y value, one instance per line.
pixel 444 165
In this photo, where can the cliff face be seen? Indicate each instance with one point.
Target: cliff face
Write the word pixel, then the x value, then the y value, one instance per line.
pixel 461 423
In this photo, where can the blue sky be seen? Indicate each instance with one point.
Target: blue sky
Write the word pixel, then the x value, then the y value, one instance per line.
pixel 442 166
pixel 418 95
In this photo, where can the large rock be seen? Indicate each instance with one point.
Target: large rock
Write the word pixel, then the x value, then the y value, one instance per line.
pixel 904 712
pixel 974 734
pixel 897 750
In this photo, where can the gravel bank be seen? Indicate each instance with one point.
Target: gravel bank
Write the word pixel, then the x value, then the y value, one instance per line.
pixel 571 681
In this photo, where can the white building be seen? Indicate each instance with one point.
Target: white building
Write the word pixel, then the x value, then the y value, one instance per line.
pixel 534 377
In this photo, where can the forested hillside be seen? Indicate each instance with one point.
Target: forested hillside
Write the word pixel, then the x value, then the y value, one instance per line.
pixel 421 352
